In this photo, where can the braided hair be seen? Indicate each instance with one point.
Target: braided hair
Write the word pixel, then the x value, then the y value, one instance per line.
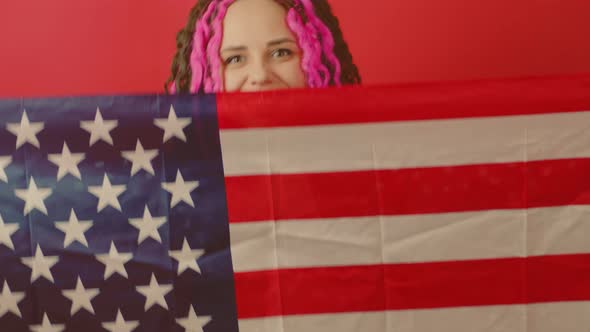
pixel 326 59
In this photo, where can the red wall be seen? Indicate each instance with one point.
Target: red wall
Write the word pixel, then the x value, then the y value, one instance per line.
pixel 71 47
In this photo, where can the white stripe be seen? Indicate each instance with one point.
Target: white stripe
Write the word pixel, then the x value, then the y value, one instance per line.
pixel 253 246
pixel 455 236
pixel 405 144
pixel 554 231
pixel 346 241
pixel 294 243
pixel 414 238
pixel 347 322
pixel 562 317
pixel 543 317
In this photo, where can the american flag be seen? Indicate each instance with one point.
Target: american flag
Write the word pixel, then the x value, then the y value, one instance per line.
pixel 423 207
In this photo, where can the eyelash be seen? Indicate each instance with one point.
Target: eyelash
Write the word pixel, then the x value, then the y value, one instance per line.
pixel 231 58
pixel 284 50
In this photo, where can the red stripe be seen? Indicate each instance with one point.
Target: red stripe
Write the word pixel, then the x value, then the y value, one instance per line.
pixel 259 294
pixel 404 102
pixel 409 191
pixel 249 198
pixel 559 182
pixel 253 198
pixel 413 286
pixel 562 277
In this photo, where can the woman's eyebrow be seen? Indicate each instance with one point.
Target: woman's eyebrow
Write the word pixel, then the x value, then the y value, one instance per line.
pixel 234 48
pixel 273 42
pixel 280 41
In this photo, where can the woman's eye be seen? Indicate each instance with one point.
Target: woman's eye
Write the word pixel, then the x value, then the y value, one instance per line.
pixel 234 59
pixel 281 53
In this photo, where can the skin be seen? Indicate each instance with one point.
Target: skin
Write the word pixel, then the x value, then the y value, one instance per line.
pixel 258 50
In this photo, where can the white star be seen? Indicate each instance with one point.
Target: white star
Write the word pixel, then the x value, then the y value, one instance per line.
pixel 9 301
pixel 107 194
pixel 81 297
pixel 47 326
pixel 67 162
pixel 6 231
pixel 180 190
pixel 4 162
pixel 140 158
pixel 33 197
pixel 99 128
pixel 148 226
pixel 154 293
pixel 114 262
pixel 74 229
pixel 173 126
pixel 25 131
pixel 120 325
pixel 192 323
pixel 40 265
pixel 187 258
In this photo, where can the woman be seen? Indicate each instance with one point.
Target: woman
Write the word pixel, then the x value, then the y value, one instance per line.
pixel 256 45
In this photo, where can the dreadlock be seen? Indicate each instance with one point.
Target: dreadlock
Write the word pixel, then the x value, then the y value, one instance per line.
pixel 326 57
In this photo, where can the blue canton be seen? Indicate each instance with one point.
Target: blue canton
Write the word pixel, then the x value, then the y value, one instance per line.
pixel 113 216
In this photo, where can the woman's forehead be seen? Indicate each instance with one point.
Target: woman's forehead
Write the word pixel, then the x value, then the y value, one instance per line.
pixel 254 23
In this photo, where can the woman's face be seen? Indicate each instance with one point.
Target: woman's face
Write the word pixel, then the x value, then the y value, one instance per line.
pixel 259 51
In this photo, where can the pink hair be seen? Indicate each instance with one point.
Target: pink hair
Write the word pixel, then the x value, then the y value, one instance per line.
pixel 200 41
pixel 317 27
pixel 313 36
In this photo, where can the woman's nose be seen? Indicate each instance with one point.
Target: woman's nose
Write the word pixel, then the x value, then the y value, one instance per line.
pixel 260 73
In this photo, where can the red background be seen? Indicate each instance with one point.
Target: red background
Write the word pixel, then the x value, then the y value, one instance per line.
pixel 69 47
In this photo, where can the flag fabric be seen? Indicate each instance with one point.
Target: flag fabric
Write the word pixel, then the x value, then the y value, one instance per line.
pixel 114 216
pixel 413 208
pixel 448 207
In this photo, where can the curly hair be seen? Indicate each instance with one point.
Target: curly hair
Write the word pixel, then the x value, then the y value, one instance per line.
pixel 326 59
